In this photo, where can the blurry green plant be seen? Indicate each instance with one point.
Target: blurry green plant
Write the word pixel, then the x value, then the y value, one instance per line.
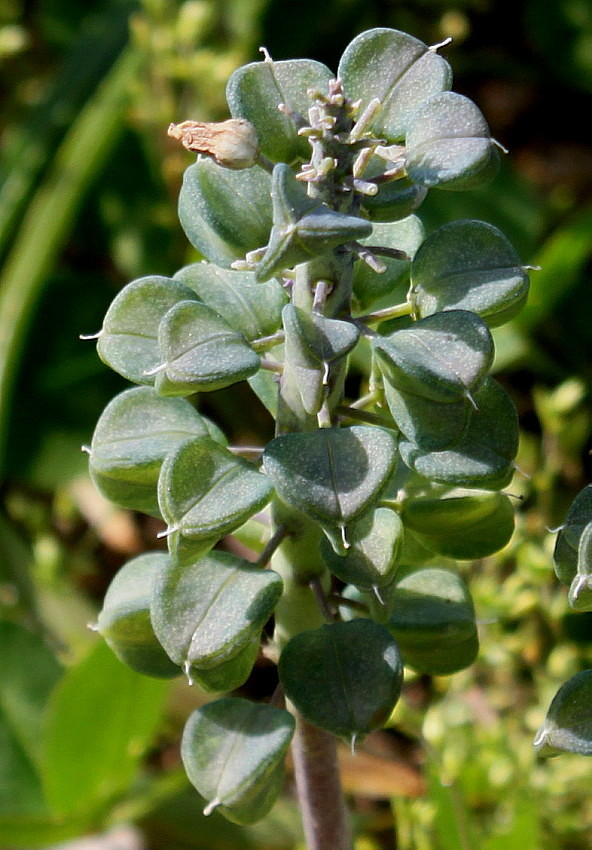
pixel 303 206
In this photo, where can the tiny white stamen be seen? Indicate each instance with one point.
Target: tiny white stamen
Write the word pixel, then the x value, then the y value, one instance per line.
pixel 86 449
pixel 91 336
pixel 344 540
pixel 326 373
pixel 266 56
pixel 94 627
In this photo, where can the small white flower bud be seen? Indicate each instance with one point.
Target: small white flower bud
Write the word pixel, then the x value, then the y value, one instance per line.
pixel 232 143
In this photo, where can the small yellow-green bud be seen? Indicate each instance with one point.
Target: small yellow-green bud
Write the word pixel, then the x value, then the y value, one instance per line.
pixel 233 143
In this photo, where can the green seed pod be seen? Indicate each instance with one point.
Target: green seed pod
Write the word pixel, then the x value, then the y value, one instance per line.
pixel 124 621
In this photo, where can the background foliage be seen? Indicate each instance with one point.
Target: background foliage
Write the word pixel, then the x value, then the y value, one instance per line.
pixel 88 188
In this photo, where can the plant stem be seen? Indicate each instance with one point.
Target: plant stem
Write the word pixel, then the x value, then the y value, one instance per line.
pixel 324 815
pixel 322 804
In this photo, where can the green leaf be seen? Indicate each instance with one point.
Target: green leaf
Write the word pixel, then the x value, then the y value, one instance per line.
pixel 332 474
pixel 568 724
pixel 565 556
pixel 461 525
pixel 206 613
pixel 397 69
pixel 483 456
pixel 372 560
pixel 344 677
pixel 442 358
pixel 201 352
pixel 125 456
pixel 257 90
pixel 28 674
pixel 128 341
pixel 392 284
pixel 254 309
pixel 102 718
pixel 124 620
pixel 233 753
pixel 205 491
pixel 433 620
pixel 225 213
pixel 469 265
pixel 448 144
pixel 303 228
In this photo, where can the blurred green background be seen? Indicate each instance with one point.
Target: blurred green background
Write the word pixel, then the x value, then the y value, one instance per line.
pixel 88 187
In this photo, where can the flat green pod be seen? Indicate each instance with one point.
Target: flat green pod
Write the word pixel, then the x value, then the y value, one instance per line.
pixel 568 724
pixel 580 591
pixel 375 546
pixel 430 425
pixel 128 340
pixel 228 675
pixel 201 352
pixel 565 555
pixel 469 265
pixel 443 357
pixel 394 201
pixel 432 618
pixel 398 70
pixel 461 525
pixel 251 308
pixel 483 456
pixel 208 612
pixel 258 90
pixel 313 343
pixel 126 457
pixel 448 144
pixel 333 474
pixel 205 491
pixel 233 752
pixel 124 620
pixel 322 671
pixel 225 213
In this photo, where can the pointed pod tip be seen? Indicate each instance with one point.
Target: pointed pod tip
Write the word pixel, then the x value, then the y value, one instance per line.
pixel 213 804
pixel 187 672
